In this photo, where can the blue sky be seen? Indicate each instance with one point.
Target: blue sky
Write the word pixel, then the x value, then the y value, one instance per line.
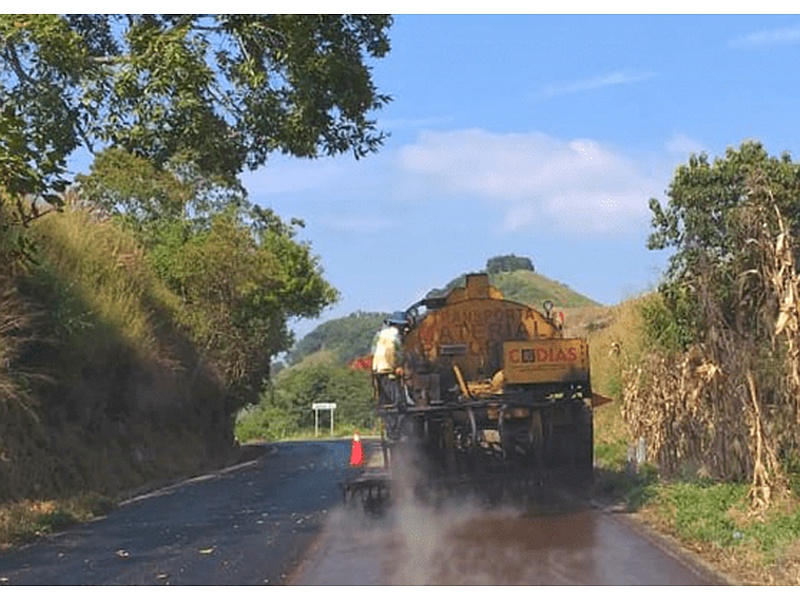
pixel 543 136
pixel 539 135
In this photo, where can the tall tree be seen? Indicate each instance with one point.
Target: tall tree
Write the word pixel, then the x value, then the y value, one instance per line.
pixel 219 92
pixel 239 269
pixel 719 393
pixel 700 223
pixel 241 283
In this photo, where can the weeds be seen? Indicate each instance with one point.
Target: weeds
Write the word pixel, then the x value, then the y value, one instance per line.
pixel 26 520
pixel 710 518
pixel 727 406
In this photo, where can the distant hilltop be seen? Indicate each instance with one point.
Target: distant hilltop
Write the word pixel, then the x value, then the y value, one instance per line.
pixel 516 277
pixel 347 338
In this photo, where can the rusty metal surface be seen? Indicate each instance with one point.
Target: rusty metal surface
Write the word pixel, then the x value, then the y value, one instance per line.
pixel 487 386
pixel 480 326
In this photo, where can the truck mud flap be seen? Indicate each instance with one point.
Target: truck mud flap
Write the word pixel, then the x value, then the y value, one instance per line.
pixel 371 491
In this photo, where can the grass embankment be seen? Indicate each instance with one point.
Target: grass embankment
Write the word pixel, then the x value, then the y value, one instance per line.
pixel 101 387
pixel 533 289
pixel 709 519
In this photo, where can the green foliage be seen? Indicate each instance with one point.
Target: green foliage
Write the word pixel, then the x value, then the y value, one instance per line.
pixel 703 223
pixel 782 529
pixel 133 189
pixel 701 510
pixel 716 514
pixel 639 487
pixel 26 520
pixel 135 379
pixel 265 422
pixel 351 390
pixel 533 289
pixel 723 326
pixel 240 289
pixel 285 408
pixel 57 520
pixel 238 268
pixel 615 481
pixel 348 337
pixel 508 263
pixel 108 389
pixel 219 92
pixel 662 330
pixel 526 287
pixel 611 454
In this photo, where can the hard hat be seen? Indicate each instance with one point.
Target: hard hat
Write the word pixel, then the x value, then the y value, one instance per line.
pixel 396 318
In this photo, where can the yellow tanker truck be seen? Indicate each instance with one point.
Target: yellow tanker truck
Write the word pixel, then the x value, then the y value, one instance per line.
pixel 485 390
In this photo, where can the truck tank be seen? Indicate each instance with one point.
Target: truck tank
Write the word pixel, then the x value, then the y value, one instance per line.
pixel 487 390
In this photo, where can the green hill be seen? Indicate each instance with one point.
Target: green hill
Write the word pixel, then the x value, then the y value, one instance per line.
pixel 346 338
pixel 529 288
pixel 350 337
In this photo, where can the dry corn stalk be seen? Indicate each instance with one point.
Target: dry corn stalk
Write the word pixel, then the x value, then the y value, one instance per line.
pixel 727 406
pixel 669 402
pixel 782 272
pixel 765 467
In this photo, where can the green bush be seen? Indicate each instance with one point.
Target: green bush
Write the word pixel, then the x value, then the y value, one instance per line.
pixel 508 263
pixel 285 408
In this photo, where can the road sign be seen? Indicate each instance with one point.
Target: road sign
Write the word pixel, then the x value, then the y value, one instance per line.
pixel 324 406
pixel 318 406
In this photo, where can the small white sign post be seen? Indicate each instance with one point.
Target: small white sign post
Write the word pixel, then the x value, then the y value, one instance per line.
pixel 318 406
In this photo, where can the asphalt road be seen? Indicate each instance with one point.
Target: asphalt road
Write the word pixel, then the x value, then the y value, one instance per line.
pixel 279 520
pixel 249 525
pixel 474 546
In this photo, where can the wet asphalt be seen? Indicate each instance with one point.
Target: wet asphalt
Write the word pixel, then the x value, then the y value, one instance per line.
pixel 469 546
pixel 249 525
pixel 279 520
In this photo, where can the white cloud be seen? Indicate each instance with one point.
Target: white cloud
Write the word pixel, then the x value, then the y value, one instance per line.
pixel 593 83
pixel 683 145
pixel 783 36
pixel 536 180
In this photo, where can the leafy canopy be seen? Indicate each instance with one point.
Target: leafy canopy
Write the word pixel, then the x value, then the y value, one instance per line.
pixel 718 392
pixel 219 92
pixel 702 222
pixel 238 268
pixel 285 407
pixel 241 282
pixel 508 263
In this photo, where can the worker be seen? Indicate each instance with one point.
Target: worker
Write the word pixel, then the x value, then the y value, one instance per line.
pixel 558 319
pixel 387 360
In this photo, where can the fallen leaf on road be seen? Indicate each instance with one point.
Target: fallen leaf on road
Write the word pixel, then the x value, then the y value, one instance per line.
pixel 3 580
pixel 206 550
pixel 123 553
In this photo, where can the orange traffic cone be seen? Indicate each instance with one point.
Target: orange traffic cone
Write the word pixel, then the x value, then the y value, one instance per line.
pixel 356 452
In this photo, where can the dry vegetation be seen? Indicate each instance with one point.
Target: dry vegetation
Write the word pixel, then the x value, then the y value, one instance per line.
pixel 719 420
pixel 100 388
pixel 711 521
pixel 727 407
